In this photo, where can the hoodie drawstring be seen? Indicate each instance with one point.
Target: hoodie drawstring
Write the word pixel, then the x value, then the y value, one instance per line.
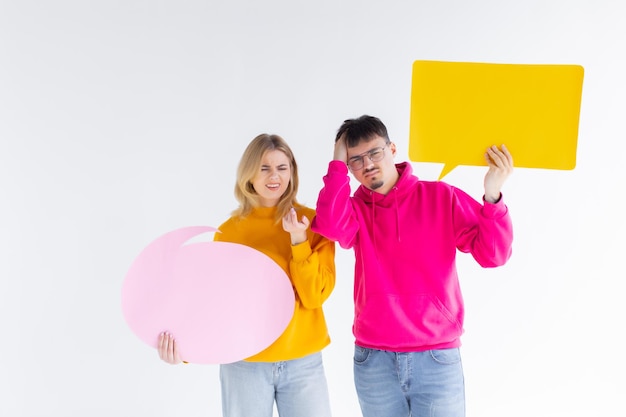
pixel 373 218
pixel 395 198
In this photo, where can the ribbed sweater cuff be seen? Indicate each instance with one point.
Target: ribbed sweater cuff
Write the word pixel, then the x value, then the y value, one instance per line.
pixel 494 210
pixel 338 167
pixel 301 251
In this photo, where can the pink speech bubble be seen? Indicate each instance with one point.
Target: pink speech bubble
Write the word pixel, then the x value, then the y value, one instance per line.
pixel 222 301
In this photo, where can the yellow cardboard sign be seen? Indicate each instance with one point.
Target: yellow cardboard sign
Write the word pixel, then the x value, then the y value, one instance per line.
pixel 458 109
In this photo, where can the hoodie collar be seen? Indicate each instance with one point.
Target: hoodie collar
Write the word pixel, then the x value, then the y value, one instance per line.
pixel 405 182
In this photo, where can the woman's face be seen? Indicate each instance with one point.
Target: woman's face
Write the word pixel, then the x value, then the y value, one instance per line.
pixel 272 179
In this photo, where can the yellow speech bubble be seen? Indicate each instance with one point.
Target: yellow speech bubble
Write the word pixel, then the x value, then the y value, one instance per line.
pixel 458 109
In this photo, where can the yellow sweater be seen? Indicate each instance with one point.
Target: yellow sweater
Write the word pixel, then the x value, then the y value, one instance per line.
pixel 310 266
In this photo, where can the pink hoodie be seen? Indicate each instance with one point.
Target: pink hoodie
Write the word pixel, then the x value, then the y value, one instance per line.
pixel 406 289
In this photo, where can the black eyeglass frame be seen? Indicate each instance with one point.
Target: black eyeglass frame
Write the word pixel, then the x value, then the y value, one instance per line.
pixel 360 159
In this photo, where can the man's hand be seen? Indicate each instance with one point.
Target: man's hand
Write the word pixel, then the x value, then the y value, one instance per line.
pixel 341 150
pixel 500 164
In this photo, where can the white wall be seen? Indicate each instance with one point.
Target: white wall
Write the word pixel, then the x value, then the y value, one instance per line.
pixel 121 120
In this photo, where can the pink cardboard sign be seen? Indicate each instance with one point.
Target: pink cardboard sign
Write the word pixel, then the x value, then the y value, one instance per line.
pixel 222 301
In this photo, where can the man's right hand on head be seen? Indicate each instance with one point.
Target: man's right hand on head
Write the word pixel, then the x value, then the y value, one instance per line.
pixel 341 150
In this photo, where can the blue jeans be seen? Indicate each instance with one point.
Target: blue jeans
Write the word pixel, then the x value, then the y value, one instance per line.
pixel 298 386
pixel 415 384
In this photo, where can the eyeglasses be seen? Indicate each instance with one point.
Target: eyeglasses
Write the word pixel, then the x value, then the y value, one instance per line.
pixel 375 155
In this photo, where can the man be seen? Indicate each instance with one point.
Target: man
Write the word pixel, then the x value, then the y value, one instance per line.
pixel 405 234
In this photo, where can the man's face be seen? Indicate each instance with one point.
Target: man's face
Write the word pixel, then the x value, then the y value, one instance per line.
pixel 379 175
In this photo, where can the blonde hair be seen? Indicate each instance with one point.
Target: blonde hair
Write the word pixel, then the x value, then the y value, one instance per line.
pixel 249 166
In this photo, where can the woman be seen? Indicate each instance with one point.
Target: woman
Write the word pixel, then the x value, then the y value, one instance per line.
pixel 289 372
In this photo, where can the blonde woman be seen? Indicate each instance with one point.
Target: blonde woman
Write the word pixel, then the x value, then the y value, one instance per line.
pixel 290 372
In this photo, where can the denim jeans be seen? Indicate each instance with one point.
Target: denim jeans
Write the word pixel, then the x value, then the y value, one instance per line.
pixel 415 384
pixel 298 386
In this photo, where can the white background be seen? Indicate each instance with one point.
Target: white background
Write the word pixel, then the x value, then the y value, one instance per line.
pixel 121 120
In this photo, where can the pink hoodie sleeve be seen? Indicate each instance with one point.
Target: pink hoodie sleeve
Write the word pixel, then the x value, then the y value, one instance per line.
pixel 485 231
pixel 335 217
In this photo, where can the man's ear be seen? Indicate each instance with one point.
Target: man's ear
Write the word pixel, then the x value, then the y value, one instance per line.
pixel 392 146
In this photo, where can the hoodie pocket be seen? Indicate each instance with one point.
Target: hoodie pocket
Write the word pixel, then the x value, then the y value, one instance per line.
pixel 406 321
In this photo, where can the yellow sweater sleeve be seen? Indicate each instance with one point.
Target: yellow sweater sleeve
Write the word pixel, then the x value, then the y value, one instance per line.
pixel 312 270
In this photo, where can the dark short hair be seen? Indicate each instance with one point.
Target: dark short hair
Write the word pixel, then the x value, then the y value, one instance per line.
pixel 363 128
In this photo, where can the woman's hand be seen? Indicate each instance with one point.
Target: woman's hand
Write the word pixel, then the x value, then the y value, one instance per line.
pixel 296 228
pixel 168 351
